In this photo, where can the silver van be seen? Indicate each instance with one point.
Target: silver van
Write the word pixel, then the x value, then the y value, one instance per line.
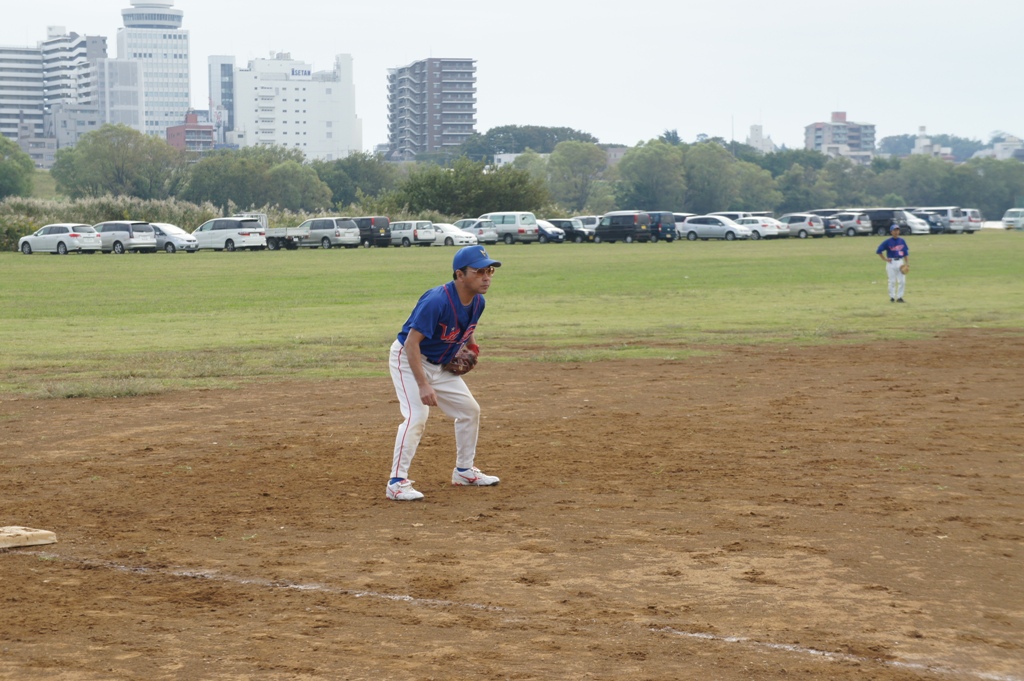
pixel 330 232
pixel 516 226
pixel 118 236
pixel 409 232
pixel 952 217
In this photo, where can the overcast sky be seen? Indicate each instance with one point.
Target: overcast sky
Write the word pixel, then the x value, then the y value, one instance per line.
pixel 626 71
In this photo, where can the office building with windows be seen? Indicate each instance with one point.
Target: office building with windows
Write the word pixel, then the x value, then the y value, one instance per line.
pixel 841 137
pixel 283 102
pixel 431 106
pixel 153 37
pixel 192 136
pixel 122 97
pixel 222 95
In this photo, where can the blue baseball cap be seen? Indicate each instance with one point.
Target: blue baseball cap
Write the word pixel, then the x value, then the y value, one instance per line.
pixel 473 256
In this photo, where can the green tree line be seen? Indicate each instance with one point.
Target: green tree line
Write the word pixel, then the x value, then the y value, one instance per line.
pixel 570 173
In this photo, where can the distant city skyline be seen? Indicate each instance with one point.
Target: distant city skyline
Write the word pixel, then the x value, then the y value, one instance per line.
pixel 714 70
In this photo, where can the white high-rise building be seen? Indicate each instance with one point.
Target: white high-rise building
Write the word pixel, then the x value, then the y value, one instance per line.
pixel 21 91
pixel 283 102
pixel 57 71
pixel 69 61
pixel 152 35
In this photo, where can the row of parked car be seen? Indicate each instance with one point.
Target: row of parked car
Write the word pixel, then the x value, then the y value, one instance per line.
pixel 250 231
pixel 732 225
pixel 246 232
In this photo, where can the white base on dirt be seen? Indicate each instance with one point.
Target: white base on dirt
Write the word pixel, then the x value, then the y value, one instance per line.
pixel 25 536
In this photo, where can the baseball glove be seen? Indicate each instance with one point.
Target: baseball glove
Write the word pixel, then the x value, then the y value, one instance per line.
pixel 904 268
pixel 463 362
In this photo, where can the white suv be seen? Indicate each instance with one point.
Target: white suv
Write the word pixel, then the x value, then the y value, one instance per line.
pixel 231 234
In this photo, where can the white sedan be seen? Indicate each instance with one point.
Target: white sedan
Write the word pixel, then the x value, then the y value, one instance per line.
pixel 61 238
pixel 450 235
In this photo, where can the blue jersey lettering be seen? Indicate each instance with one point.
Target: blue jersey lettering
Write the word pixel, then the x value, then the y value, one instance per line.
pixel 446 324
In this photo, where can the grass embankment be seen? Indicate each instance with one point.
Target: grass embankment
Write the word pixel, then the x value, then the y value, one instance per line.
pixel 43 185
pixel 121 325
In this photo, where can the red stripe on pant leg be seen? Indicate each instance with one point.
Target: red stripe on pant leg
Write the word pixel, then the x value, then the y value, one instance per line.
pixel 401 447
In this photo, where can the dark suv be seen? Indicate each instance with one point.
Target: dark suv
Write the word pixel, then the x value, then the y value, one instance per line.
pixel 624 225
pixel 374 231
pixel 574 229
pixel 663 225
pixel 882 219
pixel 833 227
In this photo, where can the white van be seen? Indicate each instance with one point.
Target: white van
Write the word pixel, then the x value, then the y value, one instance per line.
pixel 972 220
pixel 516 226
pixel 409 232
pixel 1013 218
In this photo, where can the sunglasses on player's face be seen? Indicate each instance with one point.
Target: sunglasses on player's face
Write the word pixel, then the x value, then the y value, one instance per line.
pixel 482 271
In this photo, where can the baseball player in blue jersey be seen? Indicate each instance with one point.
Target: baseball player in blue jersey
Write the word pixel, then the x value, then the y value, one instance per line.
pixel 896 253
pixel 441 324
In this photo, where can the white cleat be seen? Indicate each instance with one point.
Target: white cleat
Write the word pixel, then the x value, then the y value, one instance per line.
pixel 403 491
pixel 473 476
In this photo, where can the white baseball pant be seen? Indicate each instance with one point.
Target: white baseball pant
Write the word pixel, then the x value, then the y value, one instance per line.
pixel 897 280
pixel 454 399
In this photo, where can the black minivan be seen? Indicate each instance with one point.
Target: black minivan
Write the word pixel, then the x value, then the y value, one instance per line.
pixel 374 231
pixel 624 225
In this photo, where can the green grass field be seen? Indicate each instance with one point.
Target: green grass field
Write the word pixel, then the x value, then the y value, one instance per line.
pixel 122 325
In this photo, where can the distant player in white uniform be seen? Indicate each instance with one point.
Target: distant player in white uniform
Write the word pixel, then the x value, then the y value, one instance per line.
pixel 895 252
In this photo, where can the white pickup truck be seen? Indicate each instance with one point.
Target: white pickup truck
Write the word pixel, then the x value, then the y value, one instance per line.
pixel 279 237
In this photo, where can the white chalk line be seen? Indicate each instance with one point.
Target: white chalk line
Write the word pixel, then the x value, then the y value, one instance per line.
pixel 213 575
pixel 837 657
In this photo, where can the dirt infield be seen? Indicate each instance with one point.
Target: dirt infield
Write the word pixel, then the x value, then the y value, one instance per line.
pixel 842 512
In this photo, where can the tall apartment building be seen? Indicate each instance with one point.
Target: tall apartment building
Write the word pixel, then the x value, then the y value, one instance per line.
pixel 69 62
pixel 431 106
pixel 57 73
pixel 283 102
pixel 153 37
pixel 841 137
pixel 21 91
